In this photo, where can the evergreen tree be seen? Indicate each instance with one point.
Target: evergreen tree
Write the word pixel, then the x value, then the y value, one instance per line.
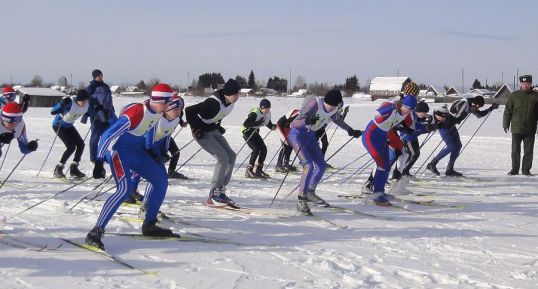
pixel 352 84
pixel 210 80
pixel 241 81
pixel 477 84
pixel 251 80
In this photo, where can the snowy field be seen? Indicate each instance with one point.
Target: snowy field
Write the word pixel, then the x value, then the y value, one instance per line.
pixel 479 232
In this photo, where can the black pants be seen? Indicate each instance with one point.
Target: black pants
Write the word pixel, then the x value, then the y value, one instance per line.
pixel 259 150
pixel 413 150
pixel 174 151
pixel 322 136
pixel 73 142
pixel 528 147
pixel 284 155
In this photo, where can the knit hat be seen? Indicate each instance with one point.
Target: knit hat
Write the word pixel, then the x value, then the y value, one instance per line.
pixel 411 88
pixel 478 100
pixel 442 111
pixel 265 103
pixel 176 102
pixel 82 95
pixel 231 87
pixel 9 93
pixel 422 107
pixel 96 72
pixel 333 97
pixel 161 92
pixel 525 78
pixel 12 112
pixel 409 101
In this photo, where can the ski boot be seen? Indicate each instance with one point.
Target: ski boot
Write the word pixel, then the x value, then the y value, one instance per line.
pixel 527 173
pixel 368 186
pixel 312 197
pixel 405 173
pixel 290 168
pixel 450 172
pixel 75 172
pixel 176 175
pixel 396 175
pixel 380 199
pixel 218 198
pixel 151 229
pixel 302 205
pixel 280 169
pixel 260 172
pixel 431 167
pixel 513 173
pixel 94 238
pixel 58 171
pixel 250 173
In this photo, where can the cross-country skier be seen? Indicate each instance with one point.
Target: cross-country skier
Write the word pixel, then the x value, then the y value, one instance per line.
pixel 176 106
pixel 258 117
pixel 423 123
pixel 459 110
pixel 67 111
pixel 390 114
pixel 129 154
pixel 315 113
pixel 205 121
pixel 13 127
pixel 283 128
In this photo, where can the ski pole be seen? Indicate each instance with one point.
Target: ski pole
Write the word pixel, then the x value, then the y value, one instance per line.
pixel 41 202
pixel 177 132
pixel 249 154
pixel 100 193
pixel 5 156
pixel 480 126
pixel 277 151
pixel 189 159
pixel 344 114
pixel 48 154
pixel 14 168
pixel 91 192
pixel 359 170
pixel 339 149
pixel 245 142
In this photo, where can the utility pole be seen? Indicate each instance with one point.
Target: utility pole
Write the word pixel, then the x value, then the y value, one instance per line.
pixel 398 71
pixel 71 79
pixel 290 82
pixel 462 87
pixel 188 82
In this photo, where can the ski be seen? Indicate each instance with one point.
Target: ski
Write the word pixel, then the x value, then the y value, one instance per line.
pixel 184 238
pixel 348 210
pixel 325 221
pixel 108 256
pixel 21 244
pixel 165 218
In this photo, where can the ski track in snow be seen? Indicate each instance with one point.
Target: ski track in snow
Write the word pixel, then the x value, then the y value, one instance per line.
pixel 489 242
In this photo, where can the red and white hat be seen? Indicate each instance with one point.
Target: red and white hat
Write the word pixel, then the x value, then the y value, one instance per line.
pixel 9 93
pixel 12 112
pixel 176 102
pixel 161 92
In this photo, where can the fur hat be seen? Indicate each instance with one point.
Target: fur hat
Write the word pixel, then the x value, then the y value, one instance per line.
pixel 525 78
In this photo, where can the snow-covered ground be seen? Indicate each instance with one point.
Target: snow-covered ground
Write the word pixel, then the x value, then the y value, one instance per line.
pixel 481 231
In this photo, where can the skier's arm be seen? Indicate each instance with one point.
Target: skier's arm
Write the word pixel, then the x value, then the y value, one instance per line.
pixel 507 115
pixel 250 122
pixel 22 139
pixel 113 132
pixel 307 111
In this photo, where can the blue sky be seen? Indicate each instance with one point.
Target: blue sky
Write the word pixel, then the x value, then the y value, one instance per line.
pixel 324 41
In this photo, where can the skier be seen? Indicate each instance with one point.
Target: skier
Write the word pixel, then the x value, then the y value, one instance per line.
pixel 205 121
pixel 258 117
pixel 129 155
pixel 314 114
pixel 390 114
pixel 102 115
pixel 67 111
pixel 176 106
pixel 423 123
pixel 283 127
pixel 459 110
pixel 13 127
pixel 158 141
pixel 9 95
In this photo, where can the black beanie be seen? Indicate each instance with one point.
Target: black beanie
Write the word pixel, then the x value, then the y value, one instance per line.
pixel 265 103
pixel 333 97
pixel 422 107
pixel 231 87
pixel 82 95
pixel 96 72
pixel 478 100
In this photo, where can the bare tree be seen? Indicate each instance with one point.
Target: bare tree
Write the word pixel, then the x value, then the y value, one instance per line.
pixel 62 81
pixel 37 81
pixel 300 82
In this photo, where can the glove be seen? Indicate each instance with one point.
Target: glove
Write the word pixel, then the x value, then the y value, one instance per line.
pixel 345 111
pixel 221 130
pixel 98 170
pixel 198 133
pixel 311 120
pixel 6 137
pixel 354 133
pixel 65 101
pixel 32 145
pixel 430 127
pixel 493 106
pixel 405 129
pixel 259 122
pixel 505 130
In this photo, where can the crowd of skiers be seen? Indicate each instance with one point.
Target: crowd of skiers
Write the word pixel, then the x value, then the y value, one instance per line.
pixel 136 142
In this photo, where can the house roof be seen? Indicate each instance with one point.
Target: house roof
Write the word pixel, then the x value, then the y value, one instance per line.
pixel 245 90
pixel 501 90
pixel 482 91
pixel 452 91
pixel 382 83
pixel 41 91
